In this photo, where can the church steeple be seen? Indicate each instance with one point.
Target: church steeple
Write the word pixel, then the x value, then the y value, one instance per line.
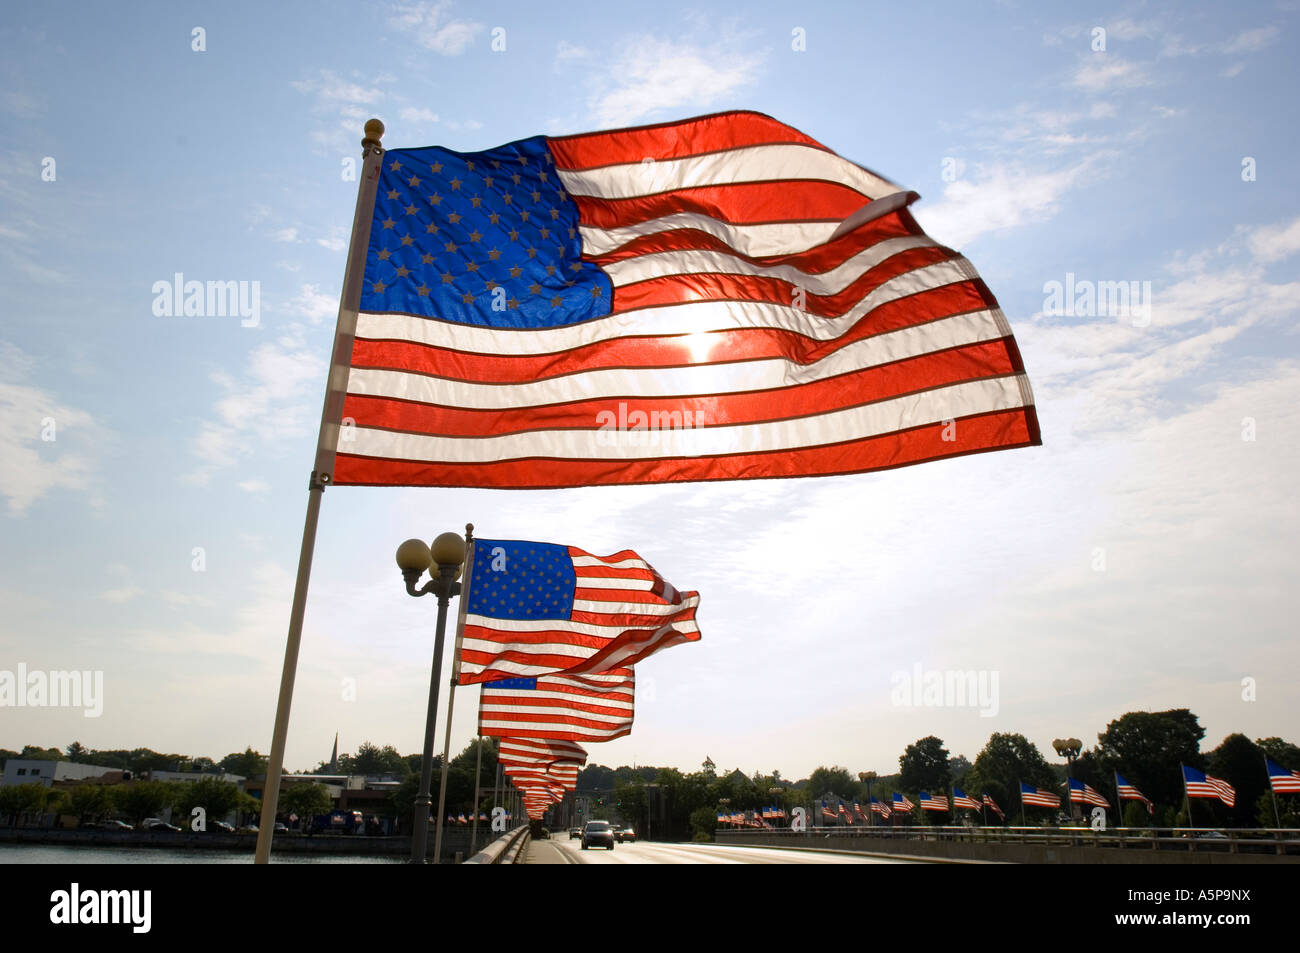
pixel 334 756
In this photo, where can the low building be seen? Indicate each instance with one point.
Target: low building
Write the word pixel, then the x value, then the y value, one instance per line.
pixel 47 772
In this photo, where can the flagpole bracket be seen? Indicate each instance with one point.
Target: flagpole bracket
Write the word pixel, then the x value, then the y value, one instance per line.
pixel 319 481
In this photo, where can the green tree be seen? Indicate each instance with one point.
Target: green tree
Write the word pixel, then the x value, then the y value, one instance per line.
pixel 1006 760
pixel 924 766
pixel 306 800
pixel 90 802
pixel 1283 752
pixel 1240 762
pixel 217 798
pixel 19 799
pixel 77 752
pixel 704 823
pixel 247 763
pixel 834 780
pixel 1288 810
pixel 143 799
pixel 1147 748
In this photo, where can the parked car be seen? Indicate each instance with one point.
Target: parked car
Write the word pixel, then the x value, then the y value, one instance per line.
pixel 221 827
pixel 247 829
pixel 280 827
pixel 116 826
pixel 157 824
pixel 598 834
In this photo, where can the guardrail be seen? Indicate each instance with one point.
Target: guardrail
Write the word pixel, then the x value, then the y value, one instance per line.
pixel 1255 840
pixel 506 849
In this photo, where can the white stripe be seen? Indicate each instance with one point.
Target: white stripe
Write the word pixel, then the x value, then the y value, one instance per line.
pixel 625 608
pixel 707 261
pixel 684 381
pixel 560 625
pixel 614 582
pixel 757 241
pixel 580 562
pixel 888 416
pixel 521 713
pixel 743 164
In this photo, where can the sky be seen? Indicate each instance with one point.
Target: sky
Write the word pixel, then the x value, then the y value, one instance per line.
pixel 153 468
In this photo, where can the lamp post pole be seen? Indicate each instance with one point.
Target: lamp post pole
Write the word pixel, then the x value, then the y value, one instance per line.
pixel 443 562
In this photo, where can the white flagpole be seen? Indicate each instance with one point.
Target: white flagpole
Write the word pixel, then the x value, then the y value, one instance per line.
pixel 331 419
pixel 461 612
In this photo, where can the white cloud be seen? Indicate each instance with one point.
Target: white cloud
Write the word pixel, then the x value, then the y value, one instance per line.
pixel 418 114
pixel 333 244
pixel 1275 242
pixel 312 303
pixel 998 197
pixel 285 235
pixel 43 443
pixel 652 75
pixel 433 29
pixel 1249 41
pixel 566 52
pixel 265 408
pixel 123 595
pixel 1103 71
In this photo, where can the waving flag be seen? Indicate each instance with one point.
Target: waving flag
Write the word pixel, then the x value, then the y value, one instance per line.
pixel 859 813
pixel 902 805
pixel 959 799
pixel 1282 780
pixel 1037 796
pixel 534 751
pixel 1081 793
pixel 993 805
pixel 880 808
pixel 533 609
pixel 1200 784
pixel 1127 792
pixel 712 299
pixel 929 803
pixel 827 813
pixel 595 707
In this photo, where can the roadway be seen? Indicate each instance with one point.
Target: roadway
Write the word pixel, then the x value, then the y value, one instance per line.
pixel 561 850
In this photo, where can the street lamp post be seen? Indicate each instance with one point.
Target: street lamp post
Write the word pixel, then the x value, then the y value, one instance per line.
pixel 444 561
pixel 1068 748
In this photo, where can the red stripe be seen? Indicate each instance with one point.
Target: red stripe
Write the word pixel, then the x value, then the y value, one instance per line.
pixel 965 363
pixel 997 430
pixel 815 260
pixel 729 130
pixel 741 203
pixel 620 711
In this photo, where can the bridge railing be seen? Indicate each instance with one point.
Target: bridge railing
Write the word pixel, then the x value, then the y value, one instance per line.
pixel 1264 840
pixel 506 849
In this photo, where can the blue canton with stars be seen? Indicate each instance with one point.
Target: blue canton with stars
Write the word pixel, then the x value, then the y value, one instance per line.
pixel 517 580
pixel 484 238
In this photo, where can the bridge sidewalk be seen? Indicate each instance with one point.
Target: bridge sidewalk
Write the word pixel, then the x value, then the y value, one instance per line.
pixel 544 852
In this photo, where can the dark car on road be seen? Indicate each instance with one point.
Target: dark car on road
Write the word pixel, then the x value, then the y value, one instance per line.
pixel 598 834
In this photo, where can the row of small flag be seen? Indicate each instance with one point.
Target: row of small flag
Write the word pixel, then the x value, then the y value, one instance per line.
pixel 1196 783
pixel 461 818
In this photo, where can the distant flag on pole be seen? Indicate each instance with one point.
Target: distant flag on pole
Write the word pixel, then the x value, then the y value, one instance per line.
pixel 1200 784
pixel 959 799
pixel 929 803
pixel 1030 795
pixel 902 805
pixel 993 805
pixel 827 813
pixel 531 315
pixel 859 813
pixel 1081 793
pixel 1128 792
pixel 880 808
pixel 1281 780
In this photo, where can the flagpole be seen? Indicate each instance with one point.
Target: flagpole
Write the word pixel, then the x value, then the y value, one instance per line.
pixel 1182 769
pixel 478 771
pixel 455 677
pixel 331 417
pixel 1277 818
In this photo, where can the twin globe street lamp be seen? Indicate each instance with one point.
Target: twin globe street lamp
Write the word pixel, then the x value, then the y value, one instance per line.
pixel 444 561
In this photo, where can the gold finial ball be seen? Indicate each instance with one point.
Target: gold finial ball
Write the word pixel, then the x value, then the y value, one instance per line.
pixel 374 129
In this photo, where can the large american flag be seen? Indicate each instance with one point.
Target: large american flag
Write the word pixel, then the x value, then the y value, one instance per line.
pixel 712 299
pixel 533 609
pixel 1037 796
pixel 1200 784
pixel 595 707
pixel 1282 780
pixel 959 799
